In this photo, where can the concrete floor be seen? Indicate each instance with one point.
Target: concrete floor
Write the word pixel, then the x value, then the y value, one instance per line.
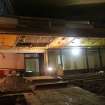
pixel 64 96
pixel 70 95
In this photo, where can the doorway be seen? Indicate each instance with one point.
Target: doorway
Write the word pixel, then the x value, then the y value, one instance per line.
pixel 34 64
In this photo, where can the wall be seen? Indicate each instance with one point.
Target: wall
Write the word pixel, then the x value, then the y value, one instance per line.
pixel 93 58
pixel 71 62
pixel 11 60
pixel 53 59
pixel 103 56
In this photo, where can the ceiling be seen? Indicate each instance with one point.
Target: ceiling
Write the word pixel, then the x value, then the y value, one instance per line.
pixel 57 2
pixel 58 19
pixel 92 11
pixel 83 18
pixel 66 9
pixel 38 44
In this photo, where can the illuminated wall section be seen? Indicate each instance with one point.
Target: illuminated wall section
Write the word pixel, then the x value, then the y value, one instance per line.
pixel 54 59
pixel 11 61
pixel 75 58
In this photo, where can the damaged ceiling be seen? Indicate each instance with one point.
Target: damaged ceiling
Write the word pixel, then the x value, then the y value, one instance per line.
pixel 38 44
pixel 61 24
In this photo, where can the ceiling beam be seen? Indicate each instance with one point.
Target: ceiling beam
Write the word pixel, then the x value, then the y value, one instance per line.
pixel 50 27
pixel 23 50
pixel 95 32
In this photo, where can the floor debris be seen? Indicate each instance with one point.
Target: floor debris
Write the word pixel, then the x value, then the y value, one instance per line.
pixel 64 96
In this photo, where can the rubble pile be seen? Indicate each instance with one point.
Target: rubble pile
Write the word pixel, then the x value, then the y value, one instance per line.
pixel 13 83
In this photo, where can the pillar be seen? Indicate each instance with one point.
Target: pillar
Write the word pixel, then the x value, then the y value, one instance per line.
pixel 45 62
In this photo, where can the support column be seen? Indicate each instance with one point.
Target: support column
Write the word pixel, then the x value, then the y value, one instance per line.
pixel 87 63
pixel 61 58
pixel 41 63
pixel 100 57
pixel 45 61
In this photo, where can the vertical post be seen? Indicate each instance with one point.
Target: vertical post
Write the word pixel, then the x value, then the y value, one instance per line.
pixel 100 57
pixel 41 63
pixel 25 63
pixel 87 63
pixel 45 61
pixel 61 58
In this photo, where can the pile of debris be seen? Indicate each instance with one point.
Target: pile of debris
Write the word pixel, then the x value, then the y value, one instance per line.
pixel 13 83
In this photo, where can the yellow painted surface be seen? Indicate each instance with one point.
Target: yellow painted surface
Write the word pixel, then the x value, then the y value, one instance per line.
pixel 88 42
pixel 8 43
pixel 7 40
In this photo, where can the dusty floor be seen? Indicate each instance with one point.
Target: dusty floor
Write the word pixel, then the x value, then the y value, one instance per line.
pixel 64 96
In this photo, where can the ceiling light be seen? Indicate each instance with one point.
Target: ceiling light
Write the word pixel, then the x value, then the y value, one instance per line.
pixel 75 42
pixel 75 51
